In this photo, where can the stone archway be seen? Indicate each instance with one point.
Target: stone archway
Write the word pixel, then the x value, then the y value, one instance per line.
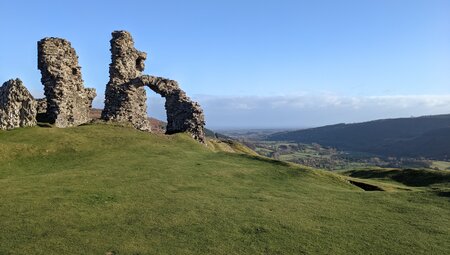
pixel 125 96
pixel 183 114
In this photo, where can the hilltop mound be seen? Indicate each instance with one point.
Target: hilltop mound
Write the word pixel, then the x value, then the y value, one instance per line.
pixel 98 189
pixel 157 126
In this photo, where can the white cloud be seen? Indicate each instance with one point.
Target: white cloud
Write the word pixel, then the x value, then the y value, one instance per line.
pixel 406 101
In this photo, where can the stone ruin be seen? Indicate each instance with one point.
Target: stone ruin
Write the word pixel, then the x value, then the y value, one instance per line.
pixel 67 103
pixel 17 106
pixel 125 103
pixel 183 114
pixel 125 96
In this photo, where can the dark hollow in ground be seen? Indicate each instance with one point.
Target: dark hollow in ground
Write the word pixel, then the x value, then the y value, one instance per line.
pixel 365 186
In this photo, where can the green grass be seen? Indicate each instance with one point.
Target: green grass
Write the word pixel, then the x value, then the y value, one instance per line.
pixel 441 165
pixel 98 188
pixel 435 179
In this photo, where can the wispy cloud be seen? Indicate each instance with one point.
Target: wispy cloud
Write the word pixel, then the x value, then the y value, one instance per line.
pixel 327 100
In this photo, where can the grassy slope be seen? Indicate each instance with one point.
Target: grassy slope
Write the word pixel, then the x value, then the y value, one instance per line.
pixel 98 188
pixel 438 180
pixel 441 165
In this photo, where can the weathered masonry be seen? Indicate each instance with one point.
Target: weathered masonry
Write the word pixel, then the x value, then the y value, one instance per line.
pixel 67 103
pixel 17 106
pixel 125 97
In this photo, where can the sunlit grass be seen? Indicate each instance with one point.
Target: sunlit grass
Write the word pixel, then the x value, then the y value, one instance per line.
pixel 97 188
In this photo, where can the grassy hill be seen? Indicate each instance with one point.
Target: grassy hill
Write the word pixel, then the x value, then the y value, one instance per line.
pixel 102 189
pixel 425 136
pixel 408 177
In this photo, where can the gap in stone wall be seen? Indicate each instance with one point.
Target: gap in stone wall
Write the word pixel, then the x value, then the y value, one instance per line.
pixel 156 110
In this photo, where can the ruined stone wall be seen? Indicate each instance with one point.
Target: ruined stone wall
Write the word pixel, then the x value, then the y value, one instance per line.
pixel 68 102
pixel 183 114
pixel 17 106
pixel 124 103
pixel 41 106
pixel 125 97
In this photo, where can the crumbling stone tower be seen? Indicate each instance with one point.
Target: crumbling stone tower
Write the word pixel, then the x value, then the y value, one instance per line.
pixel 125 103
pixel 68 102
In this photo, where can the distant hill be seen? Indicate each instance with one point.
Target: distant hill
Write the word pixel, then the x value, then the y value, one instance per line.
pixel 432 144
pixel 427 136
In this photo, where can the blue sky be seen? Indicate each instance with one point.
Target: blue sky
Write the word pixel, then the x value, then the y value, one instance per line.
pixel 255 63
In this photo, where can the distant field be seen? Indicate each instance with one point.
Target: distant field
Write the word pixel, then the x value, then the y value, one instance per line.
pixel 329 158
pixel 312 155
pixel 100 189
pixel 441 165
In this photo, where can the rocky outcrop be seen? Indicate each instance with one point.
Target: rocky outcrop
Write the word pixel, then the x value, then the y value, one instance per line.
pixel 125 103
pixel 68 102
pixel 183 114
pixel 17 106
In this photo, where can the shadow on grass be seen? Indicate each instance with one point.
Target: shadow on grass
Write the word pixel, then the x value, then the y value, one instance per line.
pixel 410 177
pixel 268 160
pixel 44 125
pixel 443 194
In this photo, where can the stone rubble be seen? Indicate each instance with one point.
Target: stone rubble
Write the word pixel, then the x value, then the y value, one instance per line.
pixel 17 106
pixel 68 102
